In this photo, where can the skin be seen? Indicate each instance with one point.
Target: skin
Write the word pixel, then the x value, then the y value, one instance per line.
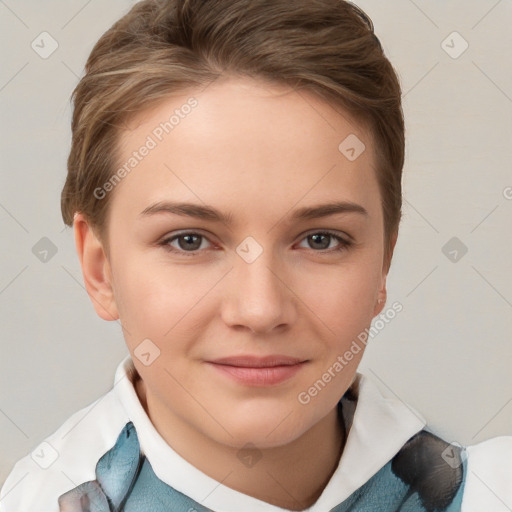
pixel 259 152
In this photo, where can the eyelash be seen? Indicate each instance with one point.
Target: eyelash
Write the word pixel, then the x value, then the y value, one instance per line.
pixel 344 243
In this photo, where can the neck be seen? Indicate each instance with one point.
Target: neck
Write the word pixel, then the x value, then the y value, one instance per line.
pixel 292 476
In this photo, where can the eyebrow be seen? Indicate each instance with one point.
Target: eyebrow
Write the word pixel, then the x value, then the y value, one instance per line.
pixel 209 213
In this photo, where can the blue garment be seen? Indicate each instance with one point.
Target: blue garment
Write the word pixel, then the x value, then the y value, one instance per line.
pixel 417 479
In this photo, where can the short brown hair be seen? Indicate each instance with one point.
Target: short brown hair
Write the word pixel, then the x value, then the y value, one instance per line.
pixel 325 47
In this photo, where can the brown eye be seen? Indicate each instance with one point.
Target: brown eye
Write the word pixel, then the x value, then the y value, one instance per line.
pixel 189 242
pixel 184 243
pixel 321 241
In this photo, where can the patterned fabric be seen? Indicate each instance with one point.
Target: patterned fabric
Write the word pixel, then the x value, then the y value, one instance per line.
pixel 426 475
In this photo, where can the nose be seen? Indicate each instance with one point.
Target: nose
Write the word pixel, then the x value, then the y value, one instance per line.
pixel 258 298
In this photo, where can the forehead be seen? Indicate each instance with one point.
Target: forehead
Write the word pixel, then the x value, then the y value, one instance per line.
pixel 245 142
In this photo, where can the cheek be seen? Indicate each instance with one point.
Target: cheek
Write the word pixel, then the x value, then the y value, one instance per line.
pixel 156 301
pixel 343 299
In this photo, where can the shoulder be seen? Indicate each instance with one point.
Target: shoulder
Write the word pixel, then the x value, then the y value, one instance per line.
pixel 64 459
pixel 450 477
pixel 432 470
pixel 488 482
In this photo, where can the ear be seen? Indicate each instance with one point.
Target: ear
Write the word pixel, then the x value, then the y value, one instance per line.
pixel 380 300
pixel 95 269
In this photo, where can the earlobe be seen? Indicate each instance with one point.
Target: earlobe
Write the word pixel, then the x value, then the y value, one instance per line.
pixel 95 269
pixel 381 300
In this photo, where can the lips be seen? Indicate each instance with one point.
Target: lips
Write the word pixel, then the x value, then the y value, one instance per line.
pixel 258 371
pixel 258 362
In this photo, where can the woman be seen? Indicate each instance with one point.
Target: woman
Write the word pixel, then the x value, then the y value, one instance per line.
pixel 234 184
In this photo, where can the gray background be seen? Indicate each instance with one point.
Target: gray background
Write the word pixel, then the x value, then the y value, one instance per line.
pixel 448 353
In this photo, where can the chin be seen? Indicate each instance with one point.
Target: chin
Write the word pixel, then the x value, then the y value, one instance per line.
pixel 264 427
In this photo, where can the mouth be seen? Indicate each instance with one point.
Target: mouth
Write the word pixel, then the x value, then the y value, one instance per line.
pixel 258 371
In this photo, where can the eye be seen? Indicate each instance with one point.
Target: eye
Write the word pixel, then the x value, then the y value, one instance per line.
pixel 184 243
pixel 321 240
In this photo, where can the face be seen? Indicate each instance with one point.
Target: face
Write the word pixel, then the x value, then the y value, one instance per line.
pixel 238 288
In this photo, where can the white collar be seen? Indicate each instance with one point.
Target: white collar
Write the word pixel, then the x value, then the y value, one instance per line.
pixel 380 427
